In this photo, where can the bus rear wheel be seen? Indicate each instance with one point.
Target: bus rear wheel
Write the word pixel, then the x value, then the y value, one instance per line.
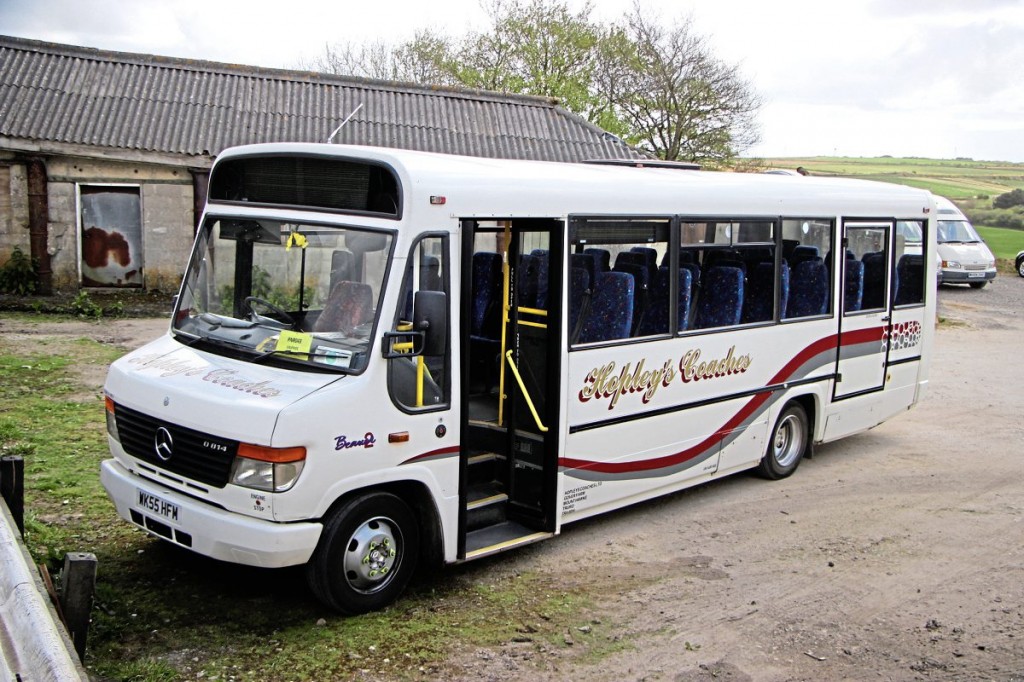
pixel 367 553
pixel 787 445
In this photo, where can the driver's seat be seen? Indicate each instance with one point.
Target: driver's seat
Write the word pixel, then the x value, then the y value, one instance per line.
pixel 349 305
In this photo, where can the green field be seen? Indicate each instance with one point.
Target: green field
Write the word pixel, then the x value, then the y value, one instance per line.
pixel 952 178
pixel 1004 243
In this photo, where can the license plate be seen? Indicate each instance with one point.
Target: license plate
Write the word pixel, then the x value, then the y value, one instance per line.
pixel 975 274
pixel 158 506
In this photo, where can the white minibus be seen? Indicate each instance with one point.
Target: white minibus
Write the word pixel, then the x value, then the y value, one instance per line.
pixel 964 257
pixel 380 359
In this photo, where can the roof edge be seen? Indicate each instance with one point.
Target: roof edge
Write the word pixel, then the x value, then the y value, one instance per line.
pixel 185 64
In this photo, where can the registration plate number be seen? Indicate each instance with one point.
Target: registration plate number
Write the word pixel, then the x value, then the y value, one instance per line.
pixel 975 274
pixel 158 506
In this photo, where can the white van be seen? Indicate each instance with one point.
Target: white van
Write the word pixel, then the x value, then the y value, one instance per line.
pixel 966 259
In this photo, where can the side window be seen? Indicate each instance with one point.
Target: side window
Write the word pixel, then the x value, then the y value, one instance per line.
pixel 620 286
pixel 419 372
pixel 866 267
pixel 810 259
pixel 910 259
pixel 730 266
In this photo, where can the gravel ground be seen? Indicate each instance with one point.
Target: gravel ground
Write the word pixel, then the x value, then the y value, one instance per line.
pixel 896 554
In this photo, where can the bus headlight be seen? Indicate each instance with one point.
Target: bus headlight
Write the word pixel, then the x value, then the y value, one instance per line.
pixel 273 470
pixel 111 419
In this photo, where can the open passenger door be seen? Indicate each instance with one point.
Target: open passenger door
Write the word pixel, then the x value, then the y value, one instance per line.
pixel 511 355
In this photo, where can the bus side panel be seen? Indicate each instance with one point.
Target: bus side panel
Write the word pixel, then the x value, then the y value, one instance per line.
pixel 649 419
pixel 905 373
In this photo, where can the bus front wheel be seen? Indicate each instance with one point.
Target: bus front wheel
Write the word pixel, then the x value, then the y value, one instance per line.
pixel 787 445
pixel 367 554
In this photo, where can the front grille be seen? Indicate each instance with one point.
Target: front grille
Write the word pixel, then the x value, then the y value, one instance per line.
pixel 975 267
pixel 195 455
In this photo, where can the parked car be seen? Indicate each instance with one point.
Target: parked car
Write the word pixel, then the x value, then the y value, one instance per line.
pixel 1019 263
pixel 966 259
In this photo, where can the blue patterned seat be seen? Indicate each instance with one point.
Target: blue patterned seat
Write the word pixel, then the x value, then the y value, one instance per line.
pixel 526 280
pixel 588 262
pixel 694 271
pixel 721 300
pixel 759 298
pixel 649 258
pixel 611 309
pixel 809 289
pixel 485 317
pixel 579 300
pixel 641 288
pixel 540 275
pixel 602 259
pixel 853 287
pixel 910 273
pixel 484 321
pixel 656 318
pixel 875 265
pixel 802 253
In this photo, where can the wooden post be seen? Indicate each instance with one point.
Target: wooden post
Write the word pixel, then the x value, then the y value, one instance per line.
pixel 12 488
pixel 77 585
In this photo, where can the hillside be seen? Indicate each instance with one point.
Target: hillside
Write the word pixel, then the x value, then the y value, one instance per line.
pixel 953 178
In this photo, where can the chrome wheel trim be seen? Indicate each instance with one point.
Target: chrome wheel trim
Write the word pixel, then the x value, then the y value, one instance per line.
pixel 373 555
pixel 788 441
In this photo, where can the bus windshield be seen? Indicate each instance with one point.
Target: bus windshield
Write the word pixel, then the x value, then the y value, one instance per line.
pixel 959 231
pixel 297 293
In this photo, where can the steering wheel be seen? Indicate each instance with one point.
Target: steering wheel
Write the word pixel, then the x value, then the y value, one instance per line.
pixel 249 300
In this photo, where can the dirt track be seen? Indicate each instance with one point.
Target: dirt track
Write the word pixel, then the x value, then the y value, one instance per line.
pixel 896 554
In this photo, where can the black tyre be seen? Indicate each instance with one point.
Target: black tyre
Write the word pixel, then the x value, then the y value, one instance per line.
pixel 1020 267
pixel 367 553
pixel 978 285
pixel 788 443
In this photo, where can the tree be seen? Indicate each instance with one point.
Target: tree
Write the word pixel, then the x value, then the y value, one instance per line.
pixel 1009 199
pixel 657 86
pixel 424 59
pixel 677 100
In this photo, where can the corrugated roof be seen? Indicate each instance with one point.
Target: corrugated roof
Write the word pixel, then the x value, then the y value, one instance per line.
pixel 62 94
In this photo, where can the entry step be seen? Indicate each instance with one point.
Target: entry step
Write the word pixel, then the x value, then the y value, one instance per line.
pixel 500 537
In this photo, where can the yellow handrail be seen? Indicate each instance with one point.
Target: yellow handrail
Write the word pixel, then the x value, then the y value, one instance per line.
pixel 526 394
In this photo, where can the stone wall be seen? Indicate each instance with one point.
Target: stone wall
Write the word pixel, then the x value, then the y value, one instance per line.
pixel 166 206
pixel 13 210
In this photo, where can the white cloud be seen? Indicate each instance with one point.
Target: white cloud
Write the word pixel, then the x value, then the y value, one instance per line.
pixel 860 77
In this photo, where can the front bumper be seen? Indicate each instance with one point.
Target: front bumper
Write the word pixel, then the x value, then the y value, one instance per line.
pixel 966 276
pixel 206 529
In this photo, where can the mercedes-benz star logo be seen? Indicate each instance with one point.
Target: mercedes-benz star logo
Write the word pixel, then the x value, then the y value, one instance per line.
pixel 163 444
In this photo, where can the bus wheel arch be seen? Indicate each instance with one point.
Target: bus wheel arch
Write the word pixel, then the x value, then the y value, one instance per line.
pixel 789 440
pixel 372 542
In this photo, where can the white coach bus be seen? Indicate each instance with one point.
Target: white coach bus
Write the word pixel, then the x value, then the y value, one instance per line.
pixel 381 358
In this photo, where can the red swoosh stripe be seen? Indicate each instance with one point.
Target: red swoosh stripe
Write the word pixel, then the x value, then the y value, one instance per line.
pixel 440 452
pixel 820 346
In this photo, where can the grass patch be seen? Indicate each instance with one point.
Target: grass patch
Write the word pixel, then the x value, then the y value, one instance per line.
pixel 951 178
pixel 1004 242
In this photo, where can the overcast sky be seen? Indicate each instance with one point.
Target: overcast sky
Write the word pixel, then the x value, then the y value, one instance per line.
pixel 933 78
